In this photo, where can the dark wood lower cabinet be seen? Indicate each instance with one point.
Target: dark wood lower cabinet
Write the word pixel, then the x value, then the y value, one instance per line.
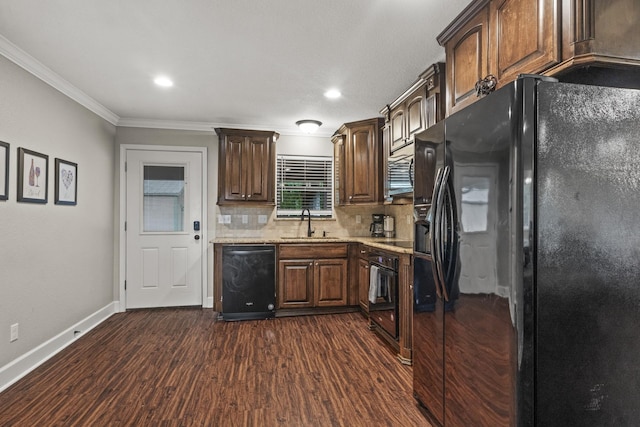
pixel 295 284
pixel 363 285
pixel 320 279
pixel 330 282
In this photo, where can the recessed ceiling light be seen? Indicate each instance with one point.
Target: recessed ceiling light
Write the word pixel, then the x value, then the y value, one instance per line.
pixel 333 94
pixel 163 81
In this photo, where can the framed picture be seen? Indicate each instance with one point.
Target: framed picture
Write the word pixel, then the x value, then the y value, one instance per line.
pixel 4 170
pixel 33 176
pixel 66 183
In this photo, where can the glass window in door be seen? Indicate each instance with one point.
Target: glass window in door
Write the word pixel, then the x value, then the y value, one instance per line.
pixel 163 206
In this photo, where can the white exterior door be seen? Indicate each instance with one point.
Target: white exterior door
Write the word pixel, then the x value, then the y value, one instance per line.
pixel 164 199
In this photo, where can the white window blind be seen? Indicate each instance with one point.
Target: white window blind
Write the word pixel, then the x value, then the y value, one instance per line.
pixel 304 183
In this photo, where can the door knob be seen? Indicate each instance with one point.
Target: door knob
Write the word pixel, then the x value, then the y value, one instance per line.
pixel 197 237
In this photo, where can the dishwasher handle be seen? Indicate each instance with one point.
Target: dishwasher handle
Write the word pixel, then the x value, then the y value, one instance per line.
pixel 248 252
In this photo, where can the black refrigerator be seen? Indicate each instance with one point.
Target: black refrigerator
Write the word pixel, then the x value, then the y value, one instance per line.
pixel 527 260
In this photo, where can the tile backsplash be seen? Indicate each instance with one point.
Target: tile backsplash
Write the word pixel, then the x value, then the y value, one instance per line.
pixel 349 221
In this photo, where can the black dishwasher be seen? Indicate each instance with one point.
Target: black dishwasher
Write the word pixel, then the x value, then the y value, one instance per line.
pixel 248 282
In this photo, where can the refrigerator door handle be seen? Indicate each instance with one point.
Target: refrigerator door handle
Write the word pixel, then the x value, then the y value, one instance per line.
pixel 441 229
pixel 438 224
pixel 450 254
pixel 411 165
pixel 435 232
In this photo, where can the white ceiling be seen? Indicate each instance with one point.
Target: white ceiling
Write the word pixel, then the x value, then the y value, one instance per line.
pixel 255 64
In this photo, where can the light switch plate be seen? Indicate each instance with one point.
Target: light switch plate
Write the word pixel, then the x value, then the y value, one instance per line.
pixel 245 219
pixel 14 332
pixel 358 219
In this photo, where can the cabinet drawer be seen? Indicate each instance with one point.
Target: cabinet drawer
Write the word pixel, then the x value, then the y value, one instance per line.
pixel 313 250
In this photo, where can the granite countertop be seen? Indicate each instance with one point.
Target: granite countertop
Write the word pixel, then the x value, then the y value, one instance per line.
pixel 377 242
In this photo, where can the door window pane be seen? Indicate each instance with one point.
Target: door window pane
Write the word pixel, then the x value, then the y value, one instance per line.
pixel 163 206
pixel 475 203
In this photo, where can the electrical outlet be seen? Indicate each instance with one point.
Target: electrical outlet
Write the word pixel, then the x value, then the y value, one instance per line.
pixel 14 332
pixel 220 219
pixel 358 219
pixel 262 219
pixel 245 219
pixel 227 219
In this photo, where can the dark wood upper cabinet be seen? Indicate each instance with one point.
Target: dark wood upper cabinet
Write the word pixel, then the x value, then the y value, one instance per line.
pixel 581 41
pixel 246 166
pixel 359 161
pixel 415 109
pixel 466 44
pixel 526 37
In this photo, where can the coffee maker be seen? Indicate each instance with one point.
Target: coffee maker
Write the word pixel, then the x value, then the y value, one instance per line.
pixel 377 226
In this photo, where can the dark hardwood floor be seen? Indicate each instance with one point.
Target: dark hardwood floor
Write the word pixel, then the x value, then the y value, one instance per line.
pixel 181 367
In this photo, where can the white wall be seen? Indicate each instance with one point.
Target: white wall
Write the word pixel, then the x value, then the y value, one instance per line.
pixel 300 145
pixel 56 262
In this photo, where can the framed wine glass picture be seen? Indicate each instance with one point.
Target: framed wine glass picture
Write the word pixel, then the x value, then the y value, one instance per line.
pixel 33 176
pixel 66 186
pixel 4 170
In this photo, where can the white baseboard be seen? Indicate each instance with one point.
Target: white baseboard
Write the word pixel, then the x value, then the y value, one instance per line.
pixel 208 303
pixel 26 363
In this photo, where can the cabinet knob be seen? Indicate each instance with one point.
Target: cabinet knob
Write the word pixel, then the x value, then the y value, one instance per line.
pixel 249 196
pixel 243 195
pixel 363 252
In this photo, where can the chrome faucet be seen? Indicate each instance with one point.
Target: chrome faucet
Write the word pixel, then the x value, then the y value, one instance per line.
pixel 309 231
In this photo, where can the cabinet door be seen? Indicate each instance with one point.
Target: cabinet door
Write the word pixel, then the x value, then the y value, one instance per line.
pixel 258 171
pixel 234 179
pixel 295 283
pixel 330 282
pixel 526 37
pixel 362 171
pixel 363 284
pixel 467 61
pixel 415 114
pixel 397 129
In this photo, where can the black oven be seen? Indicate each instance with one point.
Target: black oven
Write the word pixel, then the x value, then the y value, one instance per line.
pixel 383 291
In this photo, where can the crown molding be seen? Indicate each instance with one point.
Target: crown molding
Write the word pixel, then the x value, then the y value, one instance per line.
pixel 207 126
pixel 35 67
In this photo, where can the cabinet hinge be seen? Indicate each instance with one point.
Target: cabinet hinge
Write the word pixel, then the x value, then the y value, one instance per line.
pixel 125 226
pixel 125 167
pixel 125 285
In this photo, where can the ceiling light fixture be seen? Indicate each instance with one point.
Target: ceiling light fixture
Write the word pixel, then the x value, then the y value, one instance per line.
pixel 163 81
pixel 333 94
pixel 308 126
